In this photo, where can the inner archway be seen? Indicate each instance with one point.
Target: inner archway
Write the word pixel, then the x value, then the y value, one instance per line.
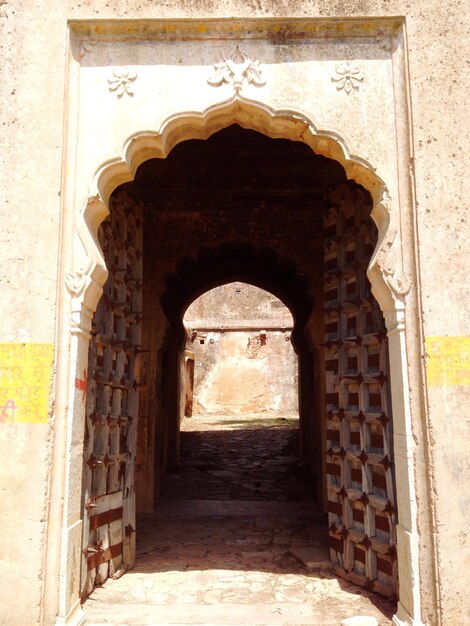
pixel 240 206
pixel 239 439
pixel 239 401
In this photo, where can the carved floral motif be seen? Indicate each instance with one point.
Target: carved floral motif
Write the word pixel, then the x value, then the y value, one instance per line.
pixel 86 46
pixel 349 77
pixel 236 69
pixel 384 41
pixel 76 281
pixel 388 260
pixel 121 81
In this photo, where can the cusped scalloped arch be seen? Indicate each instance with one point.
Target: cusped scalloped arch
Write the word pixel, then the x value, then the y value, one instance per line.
pixel 285 124
pixel 282 123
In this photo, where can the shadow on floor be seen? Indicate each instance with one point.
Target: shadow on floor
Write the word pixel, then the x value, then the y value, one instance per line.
pixel 240 501
pixel 236 539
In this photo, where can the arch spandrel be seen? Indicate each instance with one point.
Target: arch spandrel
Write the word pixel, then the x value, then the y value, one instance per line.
pixel 142 145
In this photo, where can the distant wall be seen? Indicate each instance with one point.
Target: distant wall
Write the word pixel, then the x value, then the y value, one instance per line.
pixel 244 359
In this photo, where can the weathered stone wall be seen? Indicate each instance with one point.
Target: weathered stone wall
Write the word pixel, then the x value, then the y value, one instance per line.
pixel 35 103
pixel 245 363
pixel 31 150
pixel 237 305
pixel 245 373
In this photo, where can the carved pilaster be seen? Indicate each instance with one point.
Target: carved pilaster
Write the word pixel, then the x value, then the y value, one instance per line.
pixel 389 282
pixel 394 319
pixel 85 283
pixel 81 322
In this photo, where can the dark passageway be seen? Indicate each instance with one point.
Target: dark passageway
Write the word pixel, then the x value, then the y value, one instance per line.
pixel 245 475
pixel 239 459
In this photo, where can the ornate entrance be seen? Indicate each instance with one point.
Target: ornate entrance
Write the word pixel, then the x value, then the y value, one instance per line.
pixel 387 284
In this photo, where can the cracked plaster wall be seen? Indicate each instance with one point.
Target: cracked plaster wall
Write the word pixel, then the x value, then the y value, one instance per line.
pixel 244 360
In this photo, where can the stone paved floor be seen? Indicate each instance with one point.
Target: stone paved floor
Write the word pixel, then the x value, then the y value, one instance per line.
pixel 230 539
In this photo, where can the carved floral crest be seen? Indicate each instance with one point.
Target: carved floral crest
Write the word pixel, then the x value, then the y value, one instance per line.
pixel 236 69
pixel 349 77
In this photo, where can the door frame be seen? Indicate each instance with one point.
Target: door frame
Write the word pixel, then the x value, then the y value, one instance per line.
pixel 83 273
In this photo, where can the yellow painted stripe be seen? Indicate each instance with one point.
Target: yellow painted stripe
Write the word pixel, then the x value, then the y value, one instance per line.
pixel 25 381
pixel 448 361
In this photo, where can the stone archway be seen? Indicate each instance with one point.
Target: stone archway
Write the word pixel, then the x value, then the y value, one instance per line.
pixel 389 287
pixel 260 267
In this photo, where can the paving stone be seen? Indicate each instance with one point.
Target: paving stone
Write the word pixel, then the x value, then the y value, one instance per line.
pixel 313 557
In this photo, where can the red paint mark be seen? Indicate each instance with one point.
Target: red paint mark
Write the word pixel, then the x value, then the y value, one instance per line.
pixel 8 406
pixel 81 384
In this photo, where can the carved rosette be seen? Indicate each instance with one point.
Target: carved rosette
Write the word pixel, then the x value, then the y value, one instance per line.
pixel 120 82
pixel 236 69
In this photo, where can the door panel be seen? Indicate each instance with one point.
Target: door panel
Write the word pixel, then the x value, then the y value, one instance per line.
pixel 360 479
pixel 112 401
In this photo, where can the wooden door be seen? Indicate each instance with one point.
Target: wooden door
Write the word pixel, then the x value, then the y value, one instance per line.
pixel 112 401
pixel 360 478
